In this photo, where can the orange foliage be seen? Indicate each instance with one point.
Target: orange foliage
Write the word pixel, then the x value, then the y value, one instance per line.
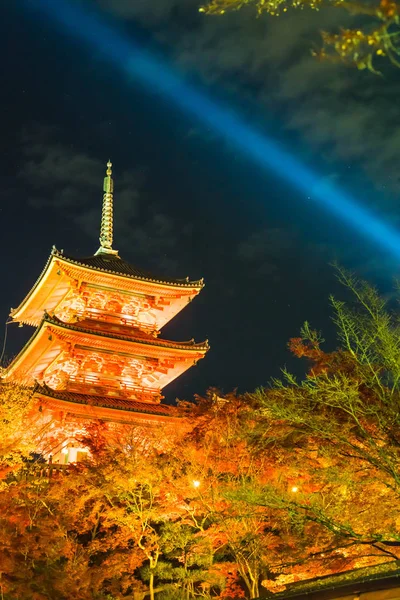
pixel 270 507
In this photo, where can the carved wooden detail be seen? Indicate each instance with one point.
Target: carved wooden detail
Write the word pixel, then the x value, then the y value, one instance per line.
pixel 109 305
pixel 59 372
pixel 105 373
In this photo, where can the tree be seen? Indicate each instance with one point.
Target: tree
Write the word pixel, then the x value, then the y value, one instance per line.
pixel 136 482
pixel 187 558
pixel 59 537
pixel 320 458
pixel 21 428
pixel 376 33
pixel 343 421
pixel 242 504
pixel 57 540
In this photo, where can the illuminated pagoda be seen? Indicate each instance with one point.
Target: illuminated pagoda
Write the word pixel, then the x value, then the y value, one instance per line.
pixel 96 351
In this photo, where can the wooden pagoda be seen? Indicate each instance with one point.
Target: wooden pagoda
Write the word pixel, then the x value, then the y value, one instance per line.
pixel 96 350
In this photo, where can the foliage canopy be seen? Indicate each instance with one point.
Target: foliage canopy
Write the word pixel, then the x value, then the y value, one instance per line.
pixel 375 34
pixel 291 482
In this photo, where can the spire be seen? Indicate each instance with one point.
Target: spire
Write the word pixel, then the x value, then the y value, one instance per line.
pixel 106 230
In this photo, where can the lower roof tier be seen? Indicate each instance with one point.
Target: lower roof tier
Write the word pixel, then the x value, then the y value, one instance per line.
pixel 103 407
pixel 59 354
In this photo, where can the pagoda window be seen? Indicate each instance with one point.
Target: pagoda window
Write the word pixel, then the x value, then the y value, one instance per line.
pixel 93 363
pixel 97 302
pixel 72 454
pixel 113 306
pixel 127 383
pixel 112 369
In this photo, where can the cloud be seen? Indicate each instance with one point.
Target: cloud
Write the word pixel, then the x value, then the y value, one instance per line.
pixel 70 181
pixel 265 251
pixel 139 9
pixel 269 254
pixel 346 114
pixel 343 115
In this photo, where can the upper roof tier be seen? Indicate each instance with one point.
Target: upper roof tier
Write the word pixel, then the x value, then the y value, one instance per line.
pixel 110 263
pixel 64 276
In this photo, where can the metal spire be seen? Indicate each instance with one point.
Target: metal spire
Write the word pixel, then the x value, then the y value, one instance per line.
pixel 106 230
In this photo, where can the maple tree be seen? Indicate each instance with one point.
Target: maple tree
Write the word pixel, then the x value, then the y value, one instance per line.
pixel 376 32
pixel 83 530
pixel 245 503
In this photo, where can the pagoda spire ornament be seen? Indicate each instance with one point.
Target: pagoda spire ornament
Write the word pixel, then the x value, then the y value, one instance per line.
pixel 106 229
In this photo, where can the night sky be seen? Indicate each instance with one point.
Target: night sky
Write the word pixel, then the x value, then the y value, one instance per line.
pixel 186 201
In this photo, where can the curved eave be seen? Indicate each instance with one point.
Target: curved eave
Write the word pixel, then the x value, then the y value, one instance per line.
pixel 13 366
pixel 177 283
pixel 15 312
pixel 95 404
pixel 53 284
pixel 189 345
pixel 52 329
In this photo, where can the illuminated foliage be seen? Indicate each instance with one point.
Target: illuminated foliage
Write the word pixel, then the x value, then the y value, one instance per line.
pixel 378 33
pixel 345 425
pixel 21 427
pixel 294 481
pixel 262 496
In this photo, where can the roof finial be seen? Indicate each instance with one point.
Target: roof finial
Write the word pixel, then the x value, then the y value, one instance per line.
pixel 106 231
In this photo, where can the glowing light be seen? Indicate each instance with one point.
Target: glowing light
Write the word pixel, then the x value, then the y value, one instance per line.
pixel 64 451
pixel 196 483
pixel 131 60
pixel 295 489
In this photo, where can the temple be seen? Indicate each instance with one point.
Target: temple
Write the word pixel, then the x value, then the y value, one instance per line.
pixel 96 351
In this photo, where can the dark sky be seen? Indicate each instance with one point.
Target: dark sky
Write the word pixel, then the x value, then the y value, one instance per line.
pixel 186 201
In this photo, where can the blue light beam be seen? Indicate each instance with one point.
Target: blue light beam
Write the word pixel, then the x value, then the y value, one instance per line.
pixel 131 59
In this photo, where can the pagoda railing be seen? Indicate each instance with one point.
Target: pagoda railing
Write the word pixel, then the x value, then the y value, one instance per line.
pixel 98 384
pixel 42 470
pixel 116 319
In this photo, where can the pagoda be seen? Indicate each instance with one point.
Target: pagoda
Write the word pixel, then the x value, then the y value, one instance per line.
pixel 96 351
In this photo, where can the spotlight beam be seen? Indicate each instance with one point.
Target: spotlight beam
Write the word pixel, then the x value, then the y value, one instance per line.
pixel 93 30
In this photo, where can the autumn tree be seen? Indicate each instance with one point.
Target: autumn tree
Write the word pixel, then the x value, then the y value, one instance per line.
pixel 146 504
pixel 311 466
pixel 57 540
pixel 376 32
pixel 21 428
pixel 343 424
pixel 259 540
pixel 68 531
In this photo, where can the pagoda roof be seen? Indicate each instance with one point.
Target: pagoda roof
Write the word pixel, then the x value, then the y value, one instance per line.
pixel 106 259
pixel 54 283
pixel 108 402
pixel 138 337
pixel 112 263
pixel 50 338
